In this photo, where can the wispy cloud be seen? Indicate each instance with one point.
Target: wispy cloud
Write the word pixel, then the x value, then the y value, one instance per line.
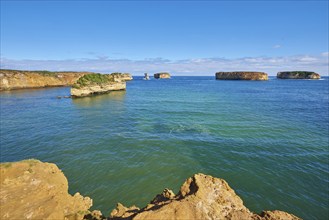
pixel 197 66
pixel 325 54
pixel 277 46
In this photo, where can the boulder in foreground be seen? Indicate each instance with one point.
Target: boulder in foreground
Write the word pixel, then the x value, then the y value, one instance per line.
pixel 298 75
pixel 97 83
pixel 31 189
pixel 163 75
pixel 241 76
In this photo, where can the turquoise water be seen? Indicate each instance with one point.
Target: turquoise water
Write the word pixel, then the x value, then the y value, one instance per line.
pixel 268 139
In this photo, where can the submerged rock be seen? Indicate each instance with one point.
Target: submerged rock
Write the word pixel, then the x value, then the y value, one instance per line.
pixel 241 76
pixel 18 79
pixel 298 75
pixel 200 197
pixel 163 75
pixel 97 84
pixel 31 189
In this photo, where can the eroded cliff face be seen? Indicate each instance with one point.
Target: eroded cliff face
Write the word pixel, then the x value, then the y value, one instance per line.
pixel 31 189
pixel 241 76
pixel 97 89
pixel 200 197
pixel 162 75
pixel 16 79
pixel 298 75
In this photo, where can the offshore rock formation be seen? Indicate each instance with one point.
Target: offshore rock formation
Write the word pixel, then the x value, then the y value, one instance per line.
pixel 17 79
pixel 31 189
pixel 241 76
pixel 122 76
pixel 200 197
pixel 298 75
pixel 163 75
pixel 96 83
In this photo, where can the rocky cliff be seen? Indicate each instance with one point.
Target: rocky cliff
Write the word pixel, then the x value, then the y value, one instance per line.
pixel 241 76
pixel 96 83
pixel 200 197
pixel 163 75
pixel 31 189
pixel 298 75
pixel 16 79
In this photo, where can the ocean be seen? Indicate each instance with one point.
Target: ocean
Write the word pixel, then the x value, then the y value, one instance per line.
pixel 267 139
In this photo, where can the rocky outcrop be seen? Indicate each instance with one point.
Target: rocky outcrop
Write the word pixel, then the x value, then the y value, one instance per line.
pixel 31 189
pixel 200 197
pixel 17 79
pixel 298 75
pixel 162 75
pixel 96 83
pixel 122 76
pixel 241 76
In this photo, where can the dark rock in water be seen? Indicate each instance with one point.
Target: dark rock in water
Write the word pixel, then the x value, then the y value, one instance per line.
pixel 241 76
pixel 298 75
pixel 163 75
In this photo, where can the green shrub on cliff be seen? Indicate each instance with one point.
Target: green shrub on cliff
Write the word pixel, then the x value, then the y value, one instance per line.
pixel 92 79
pixel 303 74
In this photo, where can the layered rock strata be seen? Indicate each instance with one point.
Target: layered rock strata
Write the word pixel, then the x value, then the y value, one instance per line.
pixel 163 75
pixel 96 83
pixel 31 189
pixel 200 197
pixel 298 75
pixel 17 79
pixel 241 76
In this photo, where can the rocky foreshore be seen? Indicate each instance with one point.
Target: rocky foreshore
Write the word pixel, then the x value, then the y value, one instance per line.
pixel 241 76
pixel 96 83
pixel 163 75
pixel 298 75
pixel 31 189
pixel 18 79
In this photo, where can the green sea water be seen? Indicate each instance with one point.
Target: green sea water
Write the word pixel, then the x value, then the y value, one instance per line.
pixel 267 139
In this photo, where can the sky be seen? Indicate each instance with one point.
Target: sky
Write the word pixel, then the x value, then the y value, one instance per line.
pixel 182 37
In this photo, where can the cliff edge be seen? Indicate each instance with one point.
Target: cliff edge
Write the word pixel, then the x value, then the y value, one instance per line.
pixel 31 189
pixel 97 83
pixel 298 75
pixel 18 79
pixel 200 197
pixel 241 76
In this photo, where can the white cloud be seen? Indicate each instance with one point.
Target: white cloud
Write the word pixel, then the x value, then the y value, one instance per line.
pixel 196 66
pixel 325 54
pixel 277 46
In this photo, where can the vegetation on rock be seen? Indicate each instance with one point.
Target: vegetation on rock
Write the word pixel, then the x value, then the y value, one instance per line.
pixel 298 75
pixel 92 79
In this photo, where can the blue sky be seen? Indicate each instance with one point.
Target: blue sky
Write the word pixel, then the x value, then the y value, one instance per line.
pixel 184 37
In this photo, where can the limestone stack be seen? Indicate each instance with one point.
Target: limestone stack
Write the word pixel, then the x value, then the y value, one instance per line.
pixel 241 76
pixel 298 75
pixel 163 75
